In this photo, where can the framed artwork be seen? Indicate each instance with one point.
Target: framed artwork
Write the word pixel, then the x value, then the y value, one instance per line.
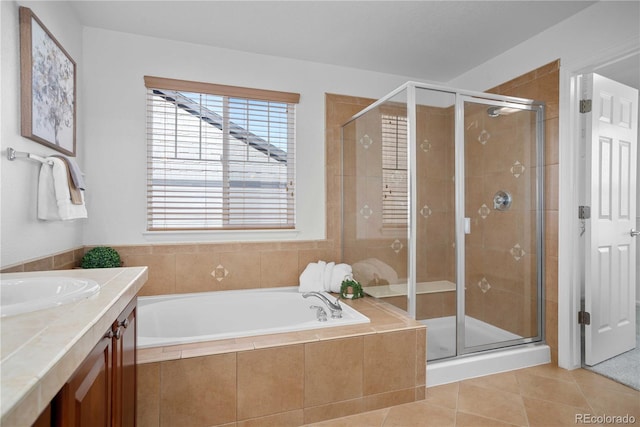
pixel 48 87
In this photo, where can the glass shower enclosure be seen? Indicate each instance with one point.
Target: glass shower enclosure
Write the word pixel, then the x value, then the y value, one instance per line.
pixel 443 216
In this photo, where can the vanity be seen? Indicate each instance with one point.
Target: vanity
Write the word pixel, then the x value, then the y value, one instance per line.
pixel 73 364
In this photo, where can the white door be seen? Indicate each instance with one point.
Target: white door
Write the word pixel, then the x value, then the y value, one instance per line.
pixel 611 132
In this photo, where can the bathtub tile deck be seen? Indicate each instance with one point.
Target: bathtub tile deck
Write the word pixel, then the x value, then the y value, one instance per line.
pixel 384 318
pixel 545 396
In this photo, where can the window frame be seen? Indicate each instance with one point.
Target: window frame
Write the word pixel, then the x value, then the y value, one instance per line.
pixel 227 93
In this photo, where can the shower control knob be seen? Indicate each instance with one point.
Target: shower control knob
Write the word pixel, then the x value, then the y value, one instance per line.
pixel 634 233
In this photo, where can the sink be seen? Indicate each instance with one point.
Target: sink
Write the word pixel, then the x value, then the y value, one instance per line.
pixel 28 294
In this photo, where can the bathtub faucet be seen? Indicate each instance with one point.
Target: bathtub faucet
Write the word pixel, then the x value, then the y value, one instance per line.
pixel 334 307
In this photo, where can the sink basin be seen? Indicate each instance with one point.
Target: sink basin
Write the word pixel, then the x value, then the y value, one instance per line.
pixel 36 293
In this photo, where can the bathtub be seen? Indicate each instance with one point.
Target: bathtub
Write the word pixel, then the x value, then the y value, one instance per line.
pixel 205 316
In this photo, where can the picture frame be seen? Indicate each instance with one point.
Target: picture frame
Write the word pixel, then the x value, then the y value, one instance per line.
pixel 48 87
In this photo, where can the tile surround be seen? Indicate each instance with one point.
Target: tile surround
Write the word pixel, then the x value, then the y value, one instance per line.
pixel 287 379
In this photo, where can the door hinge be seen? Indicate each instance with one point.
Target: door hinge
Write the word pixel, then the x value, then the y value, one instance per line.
pixel 585 105
pixel 584 318
pixel 584 212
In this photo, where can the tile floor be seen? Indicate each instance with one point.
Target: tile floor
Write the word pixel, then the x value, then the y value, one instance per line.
pixel 540 396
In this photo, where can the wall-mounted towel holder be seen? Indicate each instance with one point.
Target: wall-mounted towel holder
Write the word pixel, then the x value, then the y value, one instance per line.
pixel 13 154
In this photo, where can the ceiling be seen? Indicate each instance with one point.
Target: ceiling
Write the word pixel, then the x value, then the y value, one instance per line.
pixel 428 40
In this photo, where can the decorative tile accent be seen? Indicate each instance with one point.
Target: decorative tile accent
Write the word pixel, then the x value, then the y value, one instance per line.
pixel 484 211
pixel 366 212
pixel 425 211
pixel 219 273
pixel 397 246
pixel 366 141
pixel 484 137
pixel 517 252
pixel 425 145
pixel 517 169
pixel 484 285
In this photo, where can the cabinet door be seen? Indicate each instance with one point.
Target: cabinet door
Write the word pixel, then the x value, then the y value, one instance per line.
pixel 124 366
pixel 85 400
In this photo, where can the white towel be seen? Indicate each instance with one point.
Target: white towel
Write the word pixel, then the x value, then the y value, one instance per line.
pixel 54 198
pixel 324 276
pixel 311 278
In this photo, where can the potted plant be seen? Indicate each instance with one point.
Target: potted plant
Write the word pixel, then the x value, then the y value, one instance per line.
pixel 351 289
pixel 101 257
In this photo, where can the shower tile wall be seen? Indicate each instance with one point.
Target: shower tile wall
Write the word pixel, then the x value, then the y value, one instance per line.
pixel 544 84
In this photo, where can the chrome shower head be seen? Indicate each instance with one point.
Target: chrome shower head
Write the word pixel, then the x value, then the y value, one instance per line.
pixel 494 111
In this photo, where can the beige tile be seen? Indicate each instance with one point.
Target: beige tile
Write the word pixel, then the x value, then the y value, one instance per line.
pixel 270 381
pixel 284 419
pixel 194 272
pixel 545 413
pixel 419 413
pixel 613 402
pixel 148 395
pixel 333 371
pixel 243 269
pixel 470 420
pixel 368 419
pixel 490 403
pixel 504 382
pixel 388 399
pixel 333 410
pixel 162 272
pixel 444 395
pixel 544 388
pixel 389 362
pixel 200 391
pixel 588 380
pixel 279 268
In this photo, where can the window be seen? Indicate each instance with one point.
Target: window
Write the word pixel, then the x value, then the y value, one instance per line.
pixel 219 157
pixel 394 171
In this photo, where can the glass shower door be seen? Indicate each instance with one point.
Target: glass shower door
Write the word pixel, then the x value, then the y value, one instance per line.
pixel 502 224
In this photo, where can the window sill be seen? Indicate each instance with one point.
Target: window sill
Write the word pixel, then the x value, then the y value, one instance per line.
pixel 220 236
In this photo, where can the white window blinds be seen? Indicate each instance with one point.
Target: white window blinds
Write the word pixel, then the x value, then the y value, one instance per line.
pixel 219 157
pixel 394 171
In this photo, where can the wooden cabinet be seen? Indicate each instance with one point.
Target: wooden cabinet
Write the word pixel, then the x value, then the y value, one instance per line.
pixel 102 391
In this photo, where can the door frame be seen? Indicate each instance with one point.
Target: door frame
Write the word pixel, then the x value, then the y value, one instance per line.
pixel 570 263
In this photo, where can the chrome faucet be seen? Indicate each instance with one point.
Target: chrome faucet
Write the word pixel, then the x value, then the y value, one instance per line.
pixel 334 307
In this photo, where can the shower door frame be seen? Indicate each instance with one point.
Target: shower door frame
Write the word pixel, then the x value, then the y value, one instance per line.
pixel 460 195
pixel 460 96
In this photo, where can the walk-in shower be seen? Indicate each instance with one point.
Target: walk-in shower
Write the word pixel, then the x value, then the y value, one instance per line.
pixel 443 218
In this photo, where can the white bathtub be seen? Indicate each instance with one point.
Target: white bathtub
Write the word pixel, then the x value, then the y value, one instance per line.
pixel 205 316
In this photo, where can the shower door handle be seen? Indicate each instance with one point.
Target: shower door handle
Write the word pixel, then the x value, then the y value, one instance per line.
pixel 634 233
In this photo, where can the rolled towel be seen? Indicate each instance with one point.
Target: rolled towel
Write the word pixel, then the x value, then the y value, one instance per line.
pixel 311 278
pixel 328 274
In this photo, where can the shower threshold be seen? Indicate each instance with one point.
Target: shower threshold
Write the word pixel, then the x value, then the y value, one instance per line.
pixel 441 342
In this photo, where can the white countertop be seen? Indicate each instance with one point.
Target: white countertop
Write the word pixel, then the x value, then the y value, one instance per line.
pixel 40 350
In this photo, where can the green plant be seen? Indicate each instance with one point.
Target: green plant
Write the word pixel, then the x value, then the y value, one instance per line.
pixel 356 289
pixel 101 257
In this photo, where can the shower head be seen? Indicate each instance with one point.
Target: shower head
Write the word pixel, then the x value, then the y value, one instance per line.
pixel 494 111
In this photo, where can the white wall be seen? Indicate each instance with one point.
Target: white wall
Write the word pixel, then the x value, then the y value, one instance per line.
pixel 114 100
pixel 22 235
